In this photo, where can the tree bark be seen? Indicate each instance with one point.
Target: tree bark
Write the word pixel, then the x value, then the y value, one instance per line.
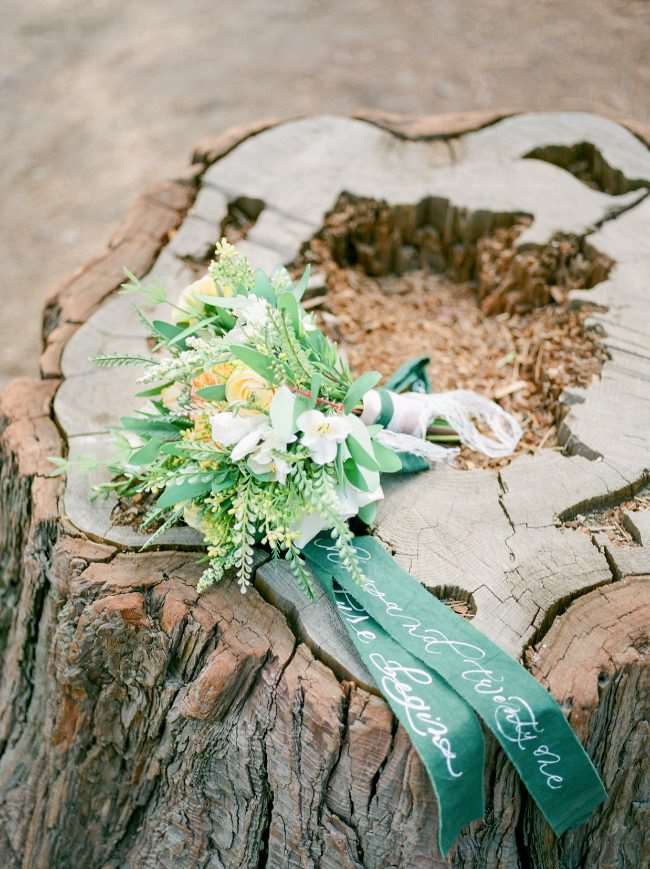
pixel 143 725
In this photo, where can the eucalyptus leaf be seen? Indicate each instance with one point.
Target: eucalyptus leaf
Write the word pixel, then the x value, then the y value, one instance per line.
pixel 254 359
pixel 298 289
pixel 225 483
pixel 359 388
pixel 188 490
pixel 360 456
pixel 145 454
pixel 190 330
pixel 167 331
pixel 316 383
pixel 388 461
pixel 263 288
pixel 150 424
pixel 287 303
pixel 354 475
pixel 213 393
pixel 368 514
pixel 155 390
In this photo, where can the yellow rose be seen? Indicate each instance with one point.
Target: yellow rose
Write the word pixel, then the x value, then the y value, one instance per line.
pixel 193 308
pixel 215 376
pixel 247 385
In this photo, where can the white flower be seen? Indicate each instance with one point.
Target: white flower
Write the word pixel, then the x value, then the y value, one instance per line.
pixel 281 280
pixel 307 527
pixel 350 500
pixel 322 434
pixel 245 432
pixel 253 436
pixel 252 316
pixel 265 458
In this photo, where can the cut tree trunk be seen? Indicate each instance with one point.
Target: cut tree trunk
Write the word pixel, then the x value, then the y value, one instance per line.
pixel 143 725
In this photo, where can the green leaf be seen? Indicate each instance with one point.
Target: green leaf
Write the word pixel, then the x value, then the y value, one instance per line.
pixel 255 360
pixel 316 383
pixel 360 456
pixel 179 448
pixel 155 390
pixel 368 513
pixel 287 303
pixel 354 475
pixel 225 483
pixel 187 490
pixel 145 454
pixel 212 393
pixel 282 413
pixel 150 424
pixel 224 320
pixel 263 478
pixel 190 330
pixel 340 471
pixel 299 288
pixel 359 388
pixel 167 331
pixel 263 288
pixel 301 404
pixel 388 461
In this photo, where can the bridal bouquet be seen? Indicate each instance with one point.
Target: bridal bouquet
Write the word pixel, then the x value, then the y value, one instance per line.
pixel 256 431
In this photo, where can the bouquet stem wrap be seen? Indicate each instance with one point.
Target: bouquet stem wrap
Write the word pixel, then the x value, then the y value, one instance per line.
pixel 438 672
pixel 406 418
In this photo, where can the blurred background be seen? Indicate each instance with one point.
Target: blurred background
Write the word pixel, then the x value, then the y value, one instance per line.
pixel 100 97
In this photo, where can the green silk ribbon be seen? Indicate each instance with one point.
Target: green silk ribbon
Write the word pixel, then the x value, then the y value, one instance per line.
pixel 443 728
pixel 410 623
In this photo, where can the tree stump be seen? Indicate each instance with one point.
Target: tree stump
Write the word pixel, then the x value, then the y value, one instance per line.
pixel 142 725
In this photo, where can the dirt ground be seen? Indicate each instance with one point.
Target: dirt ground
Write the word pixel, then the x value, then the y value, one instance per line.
pixel 101 96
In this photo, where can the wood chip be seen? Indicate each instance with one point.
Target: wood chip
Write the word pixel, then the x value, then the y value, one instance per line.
pixel 523 358
pixel 509 389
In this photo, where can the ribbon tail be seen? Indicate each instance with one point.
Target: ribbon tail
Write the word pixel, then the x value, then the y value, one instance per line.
pixel 522 715
pixel 442 728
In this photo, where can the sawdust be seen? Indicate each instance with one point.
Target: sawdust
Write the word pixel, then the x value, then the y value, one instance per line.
pixel 523 357
pixel 610 521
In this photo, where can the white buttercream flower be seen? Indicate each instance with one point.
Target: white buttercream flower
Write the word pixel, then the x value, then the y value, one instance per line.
pixel 350 500
pixel 244 432
pixel 253 315
pixel 322 434
pixel 265 459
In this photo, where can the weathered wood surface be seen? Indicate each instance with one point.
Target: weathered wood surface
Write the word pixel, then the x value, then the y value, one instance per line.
pixel 144 726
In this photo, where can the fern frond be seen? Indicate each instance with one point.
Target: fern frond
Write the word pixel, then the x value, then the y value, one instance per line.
pixel 171 520
pixel 118 360
pixel 243 531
